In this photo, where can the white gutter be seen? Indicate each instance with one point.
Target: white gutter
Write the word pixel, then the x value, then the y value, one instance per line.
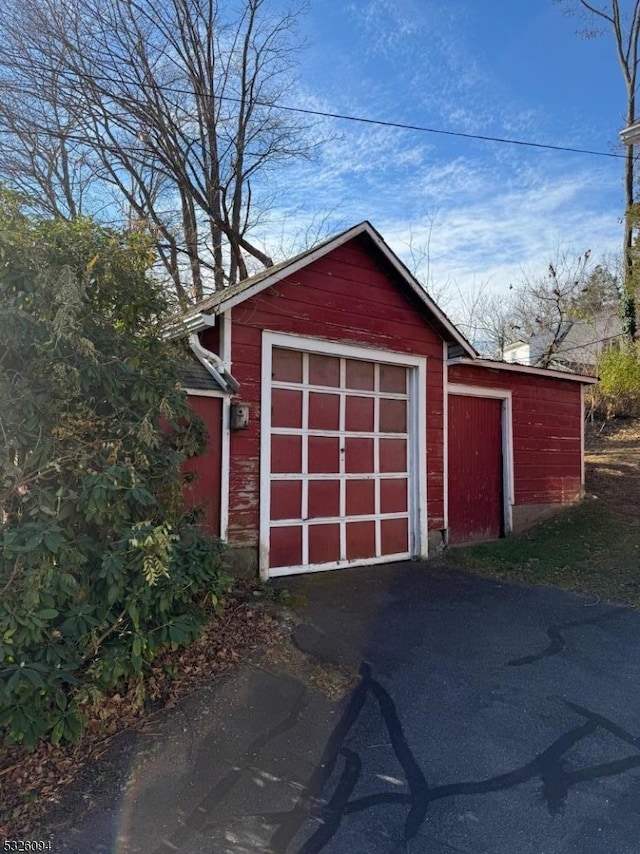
pixel 191 325
pixel 630 135
pixel 213 364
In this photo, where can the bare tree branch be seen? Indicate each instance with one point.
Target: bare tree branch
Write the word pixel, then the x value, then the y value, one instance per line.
pixel 167 111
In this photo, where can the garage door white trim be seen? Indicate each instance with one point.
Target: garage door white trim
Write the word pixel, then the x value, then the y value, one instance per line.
pixel 417 468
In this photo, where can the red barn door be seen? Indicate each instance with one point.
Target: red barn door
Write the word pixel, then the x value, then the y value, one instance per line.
pixel 476 497
pixel 204 490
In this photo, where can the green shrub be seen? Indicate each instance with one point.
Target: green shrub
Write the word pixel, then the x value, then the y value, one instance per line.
pixel 100 564
pixel 618 392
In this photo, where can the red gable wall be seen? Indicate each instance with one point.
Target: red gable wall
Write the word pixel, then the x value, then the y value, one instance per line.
pixel 344 296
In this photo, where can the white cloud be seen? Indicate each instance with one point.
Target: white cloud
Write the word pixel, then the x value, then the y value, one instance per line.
pixel 482 220
pixel 513 229
pixel 486 210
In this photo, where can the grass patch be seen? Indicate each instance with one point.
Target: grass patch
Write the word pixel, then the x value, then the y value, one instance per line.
pixel 587 549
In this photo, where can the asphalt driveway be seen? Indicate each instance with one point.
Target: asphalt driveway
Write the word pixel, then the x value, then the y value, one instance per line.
pixel 483 717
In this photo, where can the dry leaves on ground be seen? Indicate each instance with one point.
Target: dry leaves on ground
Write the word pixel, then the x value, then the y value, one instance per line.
pixel 32 783
pixel 612 459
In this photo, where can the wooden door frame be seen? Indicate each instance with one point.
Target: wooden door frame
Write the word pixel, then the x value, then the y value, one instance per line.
pixel 507 444
pixel 417 444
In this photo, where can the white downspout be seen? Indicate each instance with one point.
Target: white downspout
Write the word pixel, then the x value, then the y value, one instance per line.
pixel 213 364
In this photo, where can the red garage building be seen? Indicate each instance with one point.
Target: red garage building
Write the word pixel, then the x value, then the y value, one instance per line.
pixel 351 422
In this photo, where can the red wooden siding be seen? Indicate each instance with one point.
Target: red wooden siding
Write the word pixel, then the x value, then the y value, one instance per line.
pixel 475 468
pixel 547 417
pixel 204 489
pixel 344 296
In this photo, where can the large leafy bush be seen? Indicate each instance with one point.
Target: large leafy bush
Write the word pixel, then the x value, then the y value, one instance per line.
pixel 100 565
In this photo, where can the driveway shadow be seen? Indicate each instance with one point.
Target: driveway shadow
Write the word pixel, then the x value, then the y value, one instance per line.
pixel 508 698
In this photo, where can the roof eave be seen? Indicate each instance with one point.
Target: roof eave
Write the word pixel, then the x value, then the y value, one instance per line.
pixel 525 369
pixel 363 228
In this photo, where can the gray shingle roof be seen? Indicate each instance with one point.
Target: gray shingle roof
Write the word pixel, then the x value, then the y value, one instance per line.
pixel 193 374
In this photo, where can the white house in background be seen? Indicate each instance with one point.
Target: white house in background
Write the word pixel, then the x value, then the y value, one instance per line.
pixel 578 344
pixel 531 352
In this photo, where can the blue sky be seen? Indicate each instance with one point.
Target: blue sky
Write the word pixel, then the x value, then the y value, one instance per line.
pixel 486 211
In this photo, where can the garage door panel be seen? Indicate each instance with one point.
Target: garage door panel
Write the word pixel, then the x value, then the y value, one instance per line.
pixel 393 378
pixel 286 499
pixel 358 455
pixel 361 497
pixel 324 543
pixel 285 547
pixel 286 408
pixel 324 370
pixel 393 416
pixel 359 414
pixel 395 535
pixel 361 540
pixel 323 498
pixel 286 454
pixel 324 411
pixel 360 375
pixel 323 454
pixel 286 365
pixel 393 455
pixel 393 495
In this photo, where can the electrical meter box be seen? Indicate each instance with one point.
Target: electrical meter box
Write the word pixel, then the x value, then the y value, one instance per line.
pixel 239 416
